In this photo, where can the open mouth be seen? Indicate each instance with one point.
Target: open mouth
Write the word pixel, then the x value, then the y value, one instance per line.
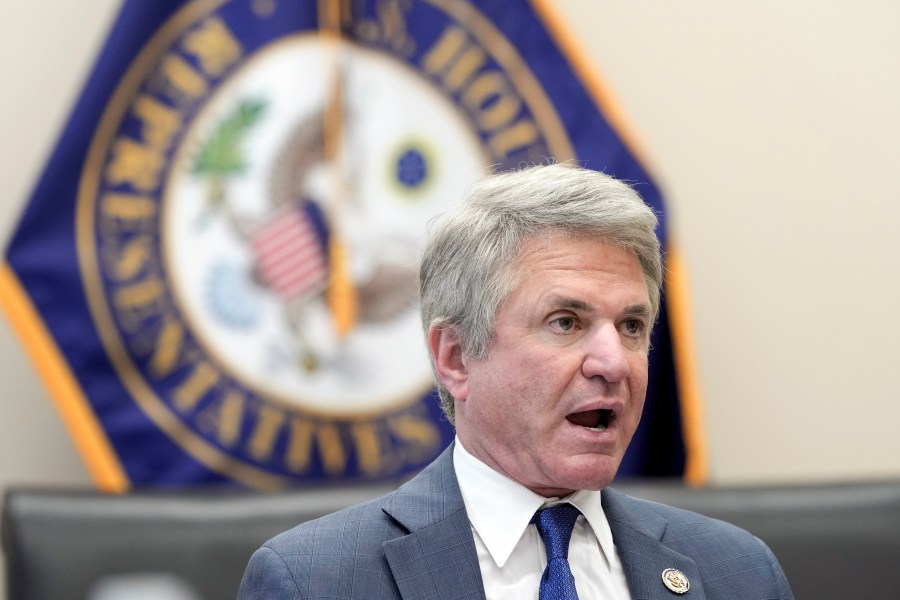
pixel 595 420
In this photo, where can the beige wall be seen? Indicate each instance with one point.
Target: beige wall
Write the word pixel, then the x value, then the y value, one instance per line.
pixel 773 130
pixel 773 127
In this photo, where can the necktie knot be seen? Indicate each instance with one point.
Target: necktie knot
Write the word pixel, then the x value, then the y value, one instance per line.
pixel 555 526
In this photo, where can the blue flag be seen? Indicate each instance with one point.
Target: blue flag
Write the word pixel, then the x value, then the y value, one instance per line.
pixel 216 273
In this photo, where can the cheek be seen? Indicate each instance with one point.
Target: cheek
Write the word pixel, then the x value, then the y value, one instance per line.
pixel 639 373
pixel 538 389
pixel 637 387
pixel 635 413
pixel 494 394
pixel 517 372
pixel 516 404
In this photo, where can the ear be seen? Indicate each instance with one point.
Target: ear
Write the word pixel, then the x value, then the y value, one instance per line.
pixel 449 364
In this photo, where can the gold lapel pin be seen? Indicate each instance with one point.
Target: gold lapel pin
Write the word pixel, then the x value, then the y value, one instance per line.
pixel 676 581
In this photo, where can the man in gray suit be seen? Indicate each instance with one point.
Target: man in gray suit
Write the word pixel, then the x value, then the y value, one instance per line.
pixel 537 296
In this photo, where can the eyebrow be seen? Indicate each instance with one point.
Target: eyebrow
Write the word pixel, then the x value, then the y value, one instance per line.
pixel 575 304
pixel 637 310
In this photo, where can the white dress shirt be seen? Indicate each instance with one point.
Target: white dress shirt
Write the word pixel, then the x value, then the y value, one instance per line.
pixel 511 553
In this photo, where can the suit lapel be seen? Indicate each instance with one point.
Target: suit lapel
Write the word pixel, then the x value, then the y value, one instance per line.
pixel 437 559
pixel 637 533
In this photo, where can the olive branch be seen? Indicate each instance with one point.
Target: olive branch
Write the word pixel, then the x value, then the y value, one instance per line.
pixel 221 155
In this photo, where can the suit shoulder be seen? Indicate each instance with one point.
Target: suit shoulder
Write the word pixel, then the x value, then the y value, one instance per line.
pixel 727 557
pixel 326 557
pixel 685 529
pixel 343 526
pixel 682 516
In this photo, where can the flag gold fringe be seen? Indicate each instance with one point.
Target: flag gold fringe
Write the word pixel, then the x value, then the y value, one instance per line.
pixel 102 463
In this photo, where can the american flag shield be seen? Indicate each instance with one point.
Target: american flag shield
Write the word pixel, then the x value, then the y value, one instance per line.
pixel 289 253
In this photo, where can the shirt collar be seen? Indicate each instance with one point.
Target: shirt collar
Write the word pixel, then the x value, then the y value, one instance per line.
pixel 500 509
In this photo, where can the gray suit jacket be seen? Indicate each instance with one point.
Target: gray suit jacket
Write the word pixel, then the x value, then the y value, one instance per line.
pixel 416 544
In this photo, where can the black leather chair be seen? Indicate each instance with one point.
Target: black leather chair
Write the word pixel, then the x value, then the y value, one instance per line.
pixel 67 544
pixel 835 541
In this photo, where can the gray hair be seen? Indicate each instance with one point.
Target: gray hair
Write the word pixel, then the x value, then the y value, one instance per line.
pixel 468 267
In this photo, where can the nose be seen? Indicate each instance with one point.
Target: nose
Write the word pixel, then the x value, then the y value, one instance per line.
pixel 605 356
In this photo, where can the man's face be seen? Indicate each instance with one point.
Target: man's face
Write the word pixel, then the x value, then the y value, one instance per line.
pixel 557 400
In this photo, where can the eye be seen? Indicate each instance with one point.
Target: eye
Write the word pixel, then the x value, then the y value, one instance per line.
pixel 633 327
pixel 567 323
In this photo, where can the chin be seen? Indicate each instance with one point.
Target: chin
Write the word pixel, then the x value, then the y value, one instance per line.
pixel 594 483
pixel 594 476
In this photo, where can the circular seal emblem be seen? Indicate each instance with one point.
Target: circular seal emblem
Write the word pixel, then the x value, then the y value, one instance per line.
pixel 252 212
pixel 676 581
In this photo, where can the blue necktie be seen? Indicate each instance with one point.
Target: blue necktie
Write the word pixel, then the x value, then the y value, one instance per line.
pixel 555 526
